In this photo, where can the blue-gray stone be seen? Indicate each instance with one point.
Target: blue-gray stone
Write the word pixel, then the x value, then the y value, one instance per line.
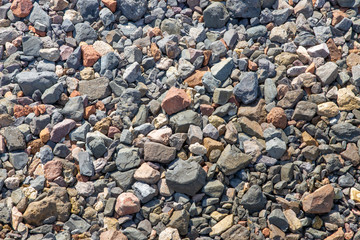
pixel 275 147
pixel 247 89
pixel 46 154
pixel 52 94
pixel 89 9
pixel 133 9
pixel 256 32
pixel 144 192
pixel 216 15
pixel 38 183
pixel 61 150
pixel 222 70
pixel 210 82
pixel 74 108
pixel 270 90
pixel 31 81
pixel 344 24
pixel 127 158
pixel 67 26
pixel 39 15
pixel 345 132
pixel 254 200
pixel 31 45
pixel 85 33
pixel 79 134
pixel 106 16
pixel 85 164
pixel 18 159
pixel 76 223
pixel 244 8
pixel 74 59
pixel 278 219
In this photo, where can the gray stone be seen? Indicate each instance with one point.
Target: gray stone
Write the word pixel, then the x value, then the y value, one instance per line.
pixel 180 220
pixel 7 34
pixel 355 71
pixel 74 60
pixel 133 9
pixel 84 33
pixel 134 234
pixel 85 164
pixel 291 98
pixel 132 72
pixel 76 222
pixel 79 134
pixel 157 152
pixel 74 108
pixel 327 73
pixel 39 123
pixel 31 81
pixel 222 95
pixel 52 94
pixel 270 90
pixel 133 54
pixel 109 62
pixel 185 177
pixel 127 158
pixel 232 160
pixel 216 15
pixel 144 192
pixel 18 159
pixel 222 70
pixel 214 188
pixel 95 89
pixel 346 180
pixel 124 180
pixel 247 89
pixel 89 9
pixel 109 207
pixel 210 82
pixel 253 200
pixel 31 45
pixel 38 183
pixel 46 154
pixel 61 150
pixel 106 16
pixel 277 218
pixel 349 3
pixel 14 138
pixel 171 26
pixel 305 110
pixel 39 15
pixel 5 213
pixel 276 148
pixel 244 8
pixel 181 121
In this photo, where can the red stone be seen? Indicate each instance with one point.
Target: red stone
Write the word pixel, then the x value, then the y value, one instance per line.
pixel 111 4
pixel 127 203
pixel 21 8
pixel 320 201
pixel 89 55
pixel 206 109
pixel 112 131
pixel 53 169
pixel 277 117
pixel 175 101
pixel 89 110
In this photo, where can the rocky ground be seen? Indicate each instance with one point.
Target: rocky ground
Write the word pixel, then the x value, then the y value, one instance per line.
pixel 179 119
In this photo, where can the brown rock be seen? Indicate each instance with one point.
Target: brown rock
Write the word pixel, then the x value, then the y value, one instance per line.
pixel 335 53
pixel 6 120
pixel 34 146
pixel 252 128
pixel 352 60
pixel 308 139
pixel 352 154
pixel 252 66
pixel 155 52
pixel 103 125
pixel 112 234
pixel 255 111
pixel 127 203
pixel 21 8
pixel 111 4
pixel 89 55
pixel 175 101
pixel 58 5
pixel 338 235
pixel 210 144
pixel 45 135
pixel 196 78
pixel 53 169
pixel 320 201
pixel 207 55
pixel 147 174
pixel 156 152
pixel 206 109
pixel 277 117
pixel 88 111
pixel 337 17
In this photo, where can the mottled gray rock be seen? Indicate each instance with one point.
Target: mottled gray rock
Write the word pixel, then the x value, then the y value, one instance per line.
pixel 52 94
pixel 133 9
pixel 31 81
pixel 95 89
pixel 39 15
pixel 247 89
pixel 232 160
pixel 305 110
pixel 85 33
pixel 345 132
pixel 277 218
pixel 14 138
pixel 157 152
pixel 222 69
pixel 144 192
pixel 85 164
pixel 74 108
pixel 244 8
pixel 127 158
pixel 276 147
pixel 327 73
pixel 216 15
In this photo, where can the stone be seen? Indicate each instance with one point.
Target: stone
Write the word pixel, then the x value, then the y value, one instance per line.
pixel 74 109
pixel 8 34
pixel 85 189
pixel 89 10
pixel 246 90
pixel 14 138
pixel 320 201
pixel 216 15
pixel 89 55
pixel 236 231
pixel 53 169
pixel 124 179
pixel 275 147
pixel 31 81
pixel 277 117
pixel 175 101
pixel 185 177
pixel 127 203
pixel 232 160
pixel 244 8
pixel 52 94
pixel 328 109
pixel 144 192
pixel 320 50
pixel 180 220
pixel 222 95
pixel 170 234
pixel 18 159
pixel 278 219
pixel 222 226
pixel 85 164
pixel 327 73
pixel 351 153
pixel 145 173
pixel 50 54
pixel 252 128
pixel 58 5
pixel 181 121
pixel 112 234
pixel 95 89
pixel 127 158
pixel 222 70
pixel 133 10
pixel 294 223
pixel 345 132
pixel 305 110
pixel 347 100
pixel 355 194
pixel 214 188
pixel 111 4
pixel 62 129
pixel 38 15
pixel 132 72
pixel 278 34
pixel 253 200
pixel 21 8
pixel 157 152
pixel 78 223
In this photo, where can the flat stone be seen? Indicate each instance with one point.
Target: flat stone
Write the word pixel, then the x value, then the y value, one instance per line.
pixel 62 129
pixel 222 226
pixel 157 152
pixel 175 101
pixel 95 89
pixel 327 73
pixel 320 201
pixel 232 160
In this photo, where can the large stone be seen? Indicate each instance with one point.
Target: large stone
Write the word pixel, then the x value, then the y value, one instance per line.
pixel 157 152
pixel 185 177
pixel 175 101
pixel 254 200
pixel 89 9
pixel 247 89
pixel 39 15
pixel 244 8
pixel 320 201
pixel 31 81
pixel 14 138
pixel 133 9
pixel 127 203
pixel 345 132
pixel 222 69
pixel 232 160
pixel 127 158
pixel 222 226
pixel 347 100
pixel 327 73
pixel 181 121
pixel 21 8
pixel 305 110
pixel 180 220
pixel 62 129
pixel 95 89
pixel 327 109
pixel 216 15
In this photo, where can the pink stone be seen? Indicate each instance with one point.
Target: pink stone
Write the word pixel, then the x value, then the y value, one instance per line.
pixel 112 235
pixel 127 203
pixel 112 131
pixel 62 129
pixel 53 169
pixel 164 189
pixel 161 135
pixel 65 52
pixel 147 174
pixel 175 100
pixel 2 144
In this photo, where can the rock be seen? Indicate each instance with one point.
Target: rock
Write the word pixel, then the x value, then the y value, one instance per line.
pixel 76 222
pixel 277 218
pixel 18 159
pixel 275 147
pixel 222 226
pixel 132 72
pixel 253 200
pixel 185 177
pixel 252 128
pixel 294 222
pixel 58 5
pixel 171 26
pixel 89 10
pixel 85 164
pixel 345 132
pixel 85 189
pixel 348 3
pixel 145 173
pixel 256 32
pixel 232 160
pixel 351 153
pixel 320 201
pixel 52 94
pixel 62 129
pixel 7 34
pixel 133 10
pixel 53 169
pixel 74 109
pixel 170 234
pixel 127 158
pixel 347 100
pixel 127 203
pixel 328 109
pixel 175 101
pixel 320 50
pixel 278 34
pixel 89 55
pixel 111 4
pixel 247 90
pixel 21 8
pixel 236 231
pixel 14 138
pixel 222 69
pixel 327 73
pixel 157 152
pixel 144 192
pixel 181 121
pixel 214 188
pixel 355 194
pixel 277 117
pixel 31 81
pixel 180 220
pixel 95 89
pixel 305 110
pixel 39 15
pixel 50 54
pixel 216 15
pixel 244 8
pixel 112 234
